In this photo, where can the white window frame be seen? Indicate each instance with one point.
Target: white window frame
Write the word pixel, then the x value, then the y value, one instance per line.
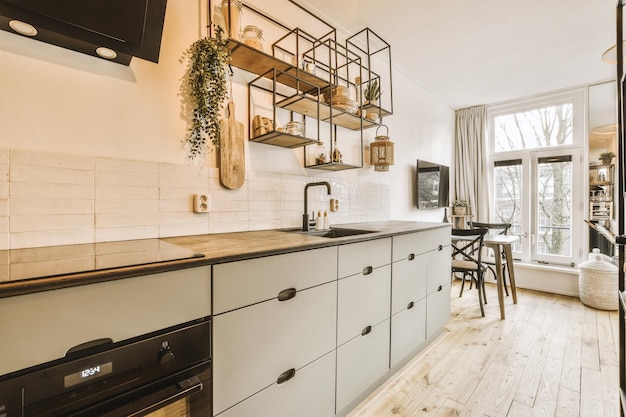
pixel 530 159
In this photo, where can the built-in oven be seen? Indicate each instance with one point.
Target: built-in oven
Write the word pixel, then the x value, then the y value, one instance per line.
pixel 166 372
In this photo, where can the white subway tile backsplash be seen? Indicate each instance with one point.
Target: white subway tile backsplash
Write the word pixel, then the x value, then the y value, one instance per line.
pixel 109 234
pixel 34 206
pixel 170 230
pixel 38 238
pixel 122 192
pixel 218 205
pixel 50 175
pixel 50 222
pixel 126 219
pixel 125 165
pixel 126 206
pixel 29 158
pixel 50 191
pixel 183 176
pixel 265 225
pixel 133 179
pixel 49 199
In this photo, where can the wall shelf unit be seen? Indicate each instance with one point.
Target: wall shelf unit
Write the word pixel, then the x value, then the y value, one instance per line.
pixel 312 80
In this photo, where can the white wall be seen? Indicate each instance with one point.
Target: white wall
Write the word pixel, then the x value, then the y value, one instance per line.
pixel 63 103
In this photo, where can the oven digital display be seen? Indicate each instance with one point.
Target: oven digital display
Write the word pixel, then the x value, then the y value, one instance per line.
pixel 87 374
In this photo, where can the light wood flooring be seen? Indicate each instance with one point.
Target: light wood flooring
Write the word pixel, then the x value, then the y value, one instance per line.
pixel 551 356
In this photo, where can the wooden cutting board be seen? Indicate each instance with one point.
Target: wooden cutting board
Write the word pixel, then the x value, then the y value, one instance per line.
pixel 232 156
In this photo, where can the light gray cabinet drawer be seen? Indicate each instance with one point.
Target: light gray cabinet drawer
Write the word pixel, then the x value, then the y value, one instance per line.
pixel 408 330
pixel 309 393
pixel 356 257
pixel 437 310
pixel 439 269
pixel 409 278
pixel 241 283
pixel 252 346
pixel 419 242
pixel 360 363
pixel 363 300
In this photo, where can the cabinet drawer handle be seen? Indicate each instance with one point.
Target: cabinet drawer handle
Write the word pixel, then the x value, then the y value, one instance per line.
pixel 440 288
pixel 411 256
pixel 366 331
pixel 410 306
pixel 368 270
pixel 286 376
pixel 440 247
pixel 287 294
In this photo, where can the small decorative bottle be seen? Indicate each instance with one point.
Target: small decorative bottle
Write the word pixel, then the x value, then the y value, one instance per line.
pixel 336 157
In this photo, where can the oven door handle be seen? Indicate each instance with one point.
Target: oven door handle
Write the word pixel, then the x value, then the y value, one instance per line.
pixel 140 405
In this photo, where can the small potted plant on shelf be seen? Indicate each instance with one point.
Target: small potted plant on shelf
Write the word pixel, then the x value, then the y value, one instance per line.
pixel 372 92
pixel 606 157
pixel 460 207
pixel 207 89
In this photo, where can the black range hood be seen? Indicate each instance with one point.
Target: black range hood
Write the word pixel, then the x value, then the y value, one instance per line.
pixel 116 30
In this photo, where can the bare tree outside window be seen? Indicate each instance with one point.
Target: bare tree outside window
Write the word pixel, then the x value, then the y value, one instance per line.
pixel 538 128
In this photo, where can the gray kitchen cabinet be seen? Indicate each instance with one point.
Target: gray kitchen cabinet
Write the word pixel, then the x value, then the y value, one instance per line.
pixel 438 288
pixel 361 362
pixel 359 309
pixel 363 303
pixel 419 278
pixel 408 331
pixel 255 344
pixel 363 300
pixel 309 393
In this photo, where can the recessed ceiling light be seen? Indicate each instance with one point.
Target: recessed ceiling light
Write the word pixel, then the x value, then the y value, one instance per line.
pixel 106 53
pixel 23 28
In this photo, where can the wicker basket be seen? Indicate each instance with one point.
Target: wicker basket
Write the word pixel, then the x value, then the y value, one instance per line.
pixel 597 284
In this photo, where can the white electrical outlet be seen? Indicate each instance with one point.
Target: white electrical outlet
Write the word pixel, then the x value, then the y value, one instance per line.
pixel 334 204
pixel 200 203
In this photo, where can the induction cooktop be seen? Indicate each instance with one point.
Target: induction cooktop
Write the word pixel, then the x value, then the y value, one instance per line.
pixel 19 264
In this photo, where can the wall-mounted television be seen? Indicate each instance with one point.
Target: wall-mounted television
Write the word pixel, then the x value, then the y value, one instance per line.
pixel 432 185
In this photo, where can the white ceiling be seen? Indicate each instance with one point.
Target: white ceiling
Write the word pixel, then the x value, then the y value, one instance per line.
pixel 486 51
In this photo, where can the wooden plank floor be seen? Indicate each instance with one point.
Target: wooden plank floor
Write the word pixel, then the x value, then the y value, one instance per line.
pixel 552 356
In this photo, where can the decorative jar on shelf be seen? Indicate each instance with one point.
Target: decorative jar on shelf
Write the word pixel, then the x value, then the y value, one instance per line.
pixel 252 36
pixel 321 153
pixel 232 13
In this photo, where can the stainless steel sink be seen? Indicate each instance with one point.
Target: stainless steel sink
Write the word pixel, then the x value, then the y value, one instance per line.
pixel 333 232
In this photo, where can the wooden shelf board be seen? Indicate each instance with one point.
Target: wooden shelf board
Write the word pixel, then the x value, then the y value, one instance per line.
pixel 381 112
pixel 284 140
pixel 334 166
pixel 260 63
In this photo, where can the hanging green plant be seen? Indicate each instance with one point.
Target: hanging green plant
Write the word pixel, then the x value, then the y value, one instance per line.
pixel 207 72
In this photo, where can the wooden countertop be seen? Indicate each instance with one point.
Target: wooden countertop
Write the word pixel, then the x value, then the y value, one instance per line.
pixel 218 248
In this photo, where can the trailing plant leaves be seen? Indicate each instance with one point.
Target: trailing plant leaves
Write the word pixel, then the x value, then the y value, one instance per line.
pixel 207 72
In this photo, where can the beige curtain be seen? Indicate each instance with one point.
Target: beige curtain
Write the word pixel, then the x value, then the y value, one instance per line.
pixel 470 161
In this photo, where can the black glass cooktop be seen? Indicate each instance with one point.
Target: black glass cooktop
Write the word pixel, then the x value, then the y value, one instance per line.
pixel 19 264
